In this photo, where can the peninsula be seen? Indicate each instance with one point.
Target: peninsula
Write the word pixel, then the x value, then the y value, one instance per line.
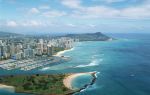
pixel 54 84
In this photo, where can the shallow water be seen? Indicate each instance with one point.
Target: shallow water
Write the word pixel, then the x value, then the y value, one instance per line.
pixel 80 81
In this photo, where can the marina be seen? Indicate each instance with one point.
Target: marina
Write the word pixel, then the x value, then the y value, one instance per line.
pixel 30 64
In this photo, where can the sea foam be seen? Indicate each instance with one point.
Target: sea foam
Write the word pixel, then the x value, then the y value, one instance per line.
pixel 45 68
pixel 93 63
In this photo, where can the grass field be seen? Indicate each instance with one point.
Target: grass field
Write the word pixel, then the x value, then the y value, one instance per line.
pixel 37 84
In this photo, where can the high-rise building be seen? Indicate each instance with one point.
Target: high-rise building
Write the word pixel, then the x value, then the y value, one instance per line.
pixel 29 47
pixel 1 52
pixel 50 50
pixel 45 48
pixel 29 53
pixel 12 49
pixel 39 49
pixel 18 56
pixel 1 42
pixel 19 48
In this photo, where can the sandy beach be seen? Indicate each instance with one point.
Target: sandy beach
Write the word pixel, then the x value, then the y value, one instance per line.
pixel 68 80
pixel 59 54
pixel 8 88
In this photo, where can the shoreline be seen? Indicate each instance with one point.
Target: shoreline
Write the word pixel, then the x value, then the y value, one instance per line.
pixel 59 54
pixel 7 88
pixel 69 79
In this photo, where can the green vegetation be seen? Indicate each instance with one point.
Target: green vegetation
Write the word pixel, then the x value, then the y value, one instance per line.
pixel 89 36
pixel 37 84
pixel 57 49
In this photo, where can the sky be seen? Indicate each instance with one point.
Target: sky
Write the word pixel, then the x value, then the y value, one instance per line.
pixel 75 16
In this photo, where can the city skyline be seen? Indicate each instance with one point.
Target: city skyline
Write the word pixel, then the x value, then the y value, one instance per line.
pixel 29 48
pixel 74 16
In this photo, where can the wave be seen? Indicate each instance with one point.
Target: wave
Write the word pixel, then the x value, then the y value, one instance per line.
pixel 93 86
pixel 45 68
pixel 97 56
pixel 93 63
pixel 49 68
pixel 96 74
pixel 54 68
pixel 94 56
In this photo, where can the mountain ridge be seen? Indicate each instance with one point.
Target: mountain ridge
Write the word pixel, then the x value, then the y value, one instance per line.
pixel 98 36
pixel 8 34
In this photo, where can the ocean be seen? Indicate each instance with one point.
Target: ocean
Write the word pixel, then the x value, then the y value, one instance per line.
pixel 122 66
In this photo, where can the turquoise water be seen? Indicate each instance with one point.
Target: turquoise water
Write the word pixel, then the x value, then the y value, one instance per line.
pixel 123 65
pixel 80 81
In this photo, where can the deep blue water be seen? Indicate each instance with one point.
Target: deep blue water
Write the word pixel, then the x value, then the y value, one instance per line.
pixel 123 65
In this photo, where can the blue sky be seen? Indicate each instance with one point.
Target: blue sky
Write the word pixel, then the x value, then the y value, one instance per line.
pixel 75 16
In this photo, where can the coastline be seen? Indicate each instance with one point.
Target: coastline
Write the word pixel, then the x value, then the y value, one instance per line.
pixel 59 54
pixel 8 88
pixel 69 79
pixel 66 81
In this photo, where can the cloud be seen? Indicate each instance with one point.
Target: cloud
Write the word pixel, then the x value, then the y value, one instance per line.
pixel 34 11
pixel 95 12
pixel 114 1
pixel 25 23
pixel 92 25
pixel 136 12
pixel 44 7
pixel 71 3
pixel 31 23
pixel 79 15
pixel 11 24
pixel 54 13
pixel 100 11
pixel 80 11
pixel 71 25
pixel 10 1
pixel 35 24
pixel 91 12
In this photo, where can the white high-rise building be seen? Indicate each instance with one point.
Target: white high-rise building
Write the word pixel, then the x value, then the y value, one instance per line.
pixel 45 48
pixel 0 52
pixel 29 53
pixel 1 42
pixel 12 49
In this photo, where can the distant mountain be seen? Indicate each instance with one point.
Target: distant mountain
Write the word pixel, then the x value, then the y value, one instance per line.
pixel 98 36
pixel 8 34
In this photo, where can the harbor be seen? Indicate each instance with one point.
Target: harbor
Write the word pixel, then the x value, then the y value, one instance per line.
pixel 30 64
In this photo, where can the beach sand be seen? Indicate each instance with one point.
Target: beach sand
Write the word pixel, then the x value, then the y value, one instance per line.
pixel 68 80
pixel 59 54
pixel 8 88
